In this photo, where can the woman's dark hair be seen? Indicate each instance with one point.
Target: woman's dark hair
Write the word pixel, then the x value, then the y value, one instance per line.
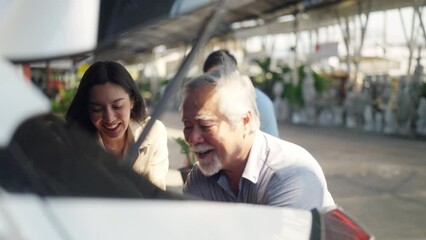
pixel 97 74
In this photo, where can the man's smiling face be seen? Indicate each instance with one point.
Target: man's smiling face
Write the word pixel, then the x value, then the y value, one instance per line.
pixel 214 141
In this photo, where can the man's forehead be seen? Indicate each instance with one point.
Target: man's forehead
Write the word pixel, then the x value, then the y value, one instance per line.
pixel 205 117
pixel 200 105
pixel 200 114
pixel 200 117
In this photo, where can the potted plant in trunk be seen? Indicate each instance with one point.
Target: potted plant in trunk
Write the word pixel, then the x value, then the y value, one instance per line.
pixel 189 157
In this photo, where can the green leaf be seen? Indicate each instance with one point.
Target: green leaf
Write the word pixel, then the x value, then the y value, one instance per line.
pixel 185 149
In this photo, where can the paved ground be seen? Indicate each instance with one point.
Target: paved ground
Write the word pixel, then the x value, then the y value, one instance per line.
pixel 377 179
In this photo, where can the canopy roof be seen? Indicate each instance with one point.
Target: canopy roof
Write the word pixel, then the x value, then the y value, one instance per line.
pixel 126 30
pixel 183 29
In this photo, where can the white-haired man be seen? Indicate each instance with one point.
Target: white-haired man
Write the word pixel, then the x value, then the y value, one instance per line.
pixel 236 161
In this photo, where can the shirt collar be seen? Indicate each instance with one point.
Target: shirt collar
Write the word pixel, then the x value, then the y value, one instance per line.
pixel 256 158
pixel 253 166
pixel 136 129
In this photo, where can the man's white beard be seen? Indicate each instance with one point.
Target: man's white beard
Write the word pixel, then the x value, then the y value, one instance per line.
pixel 211 166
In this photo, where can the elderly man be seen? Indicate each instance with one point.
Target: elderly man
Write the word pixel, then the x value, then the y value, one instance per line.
pixel 236 161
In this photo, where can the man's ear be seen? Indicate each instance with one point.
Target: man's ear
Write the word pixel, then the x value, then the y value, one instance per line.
pixel 247 118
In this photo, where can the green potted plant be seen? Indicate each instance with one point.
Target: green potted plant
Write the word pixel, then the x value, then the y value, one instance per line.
pixel 267 78
pixel 61 103
pixel 189 157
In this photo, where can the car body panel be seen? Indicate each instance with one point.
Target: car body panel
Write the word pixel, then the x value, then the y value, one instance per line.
pixel 31 217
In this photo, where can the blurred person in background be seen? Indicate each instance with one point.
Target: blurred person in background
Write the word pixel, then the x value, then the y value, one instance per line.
pixel 268 121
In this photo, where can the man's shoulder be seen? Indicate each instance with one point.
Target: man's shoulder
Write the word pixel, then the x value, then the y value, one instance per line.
pixel 284 154
pixel 284 146
pixel 286 160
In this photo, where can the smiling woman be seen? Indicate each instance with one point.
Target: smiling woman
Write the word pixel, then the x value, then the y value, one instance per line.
pixel 109 111
pixel 108 105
